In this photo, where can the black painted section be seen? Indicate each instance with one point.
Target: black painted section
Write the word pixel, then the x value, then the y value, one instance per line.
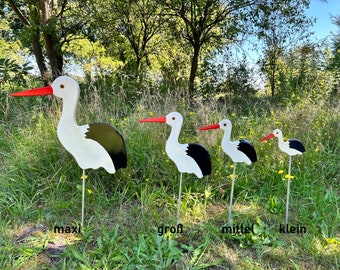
pixel 248 149
pixel 297 145
pixel 201 156
pixel 112 140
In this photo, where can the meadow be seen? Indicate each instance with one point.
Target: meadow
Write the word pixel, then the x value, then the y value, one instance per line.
pixel 40 187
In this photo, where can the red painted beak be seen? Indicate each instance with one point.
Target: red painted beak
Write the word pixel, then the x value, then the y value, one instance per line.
pixel 267 137
pixel 215 126
pixel 42 91
pixel 161 119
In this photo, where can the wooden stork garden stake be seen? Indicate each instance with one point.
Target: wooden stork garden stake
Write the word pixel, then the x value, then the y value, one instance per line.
pixel 291 147
pixel 92 145
pixel 238 151
pixel 189 158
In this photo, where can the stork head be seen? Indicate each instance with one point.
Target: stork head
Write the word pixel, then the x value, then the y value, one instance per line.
pixel 224 124
pixel 64 87
pixel 276 133
pixel 172 119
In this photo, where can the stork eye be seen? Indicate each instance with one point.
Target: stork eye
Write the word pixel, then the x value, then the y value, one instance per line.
pixel 62 86
pixel 225 124
pixel 173 118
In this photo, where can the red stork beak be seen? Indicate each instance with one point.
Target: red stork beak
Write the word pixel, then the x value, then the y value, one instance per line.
pixel 267 137
pixel 215 126
pixel 42 91
pixel 161 119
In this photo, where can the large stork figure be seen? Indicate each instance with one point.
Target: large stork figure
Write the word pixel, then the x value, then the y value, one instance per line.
pixel 92 145
pixel 189 158
pixel 238 151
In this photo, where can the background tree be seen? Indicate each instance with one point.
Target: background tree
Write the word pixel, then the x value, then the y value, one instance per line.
pixel 13 65
pixel 279 25
pixel 204 23
pixel 229 76
pixel 334 64
pixel 131 27
pixel 45 26
pixel 303 74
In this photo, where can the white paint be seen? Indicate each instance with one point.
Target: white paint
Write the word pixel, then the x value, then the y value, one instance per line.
pixel 87 152
pixel 176 151
pixel 284 146
pixel 230 147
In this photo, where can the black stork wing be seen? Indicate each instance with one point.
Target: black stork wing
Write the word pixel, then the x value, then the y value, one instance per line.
pixel 297 145
pixel 111 139
pixel 248 149
pixel 201 156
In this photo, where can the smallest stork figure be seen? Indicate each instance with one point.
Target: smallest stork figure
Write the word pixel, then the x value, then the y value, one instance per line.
pixel 291 147
pixel 238 151
pixel 188 157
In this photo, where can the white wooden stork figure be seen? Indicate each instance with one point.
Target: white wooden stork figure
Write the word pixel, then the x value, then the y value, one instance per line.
pixel 189 158
pixel 238 151
pixel 291 147
pixel 92 145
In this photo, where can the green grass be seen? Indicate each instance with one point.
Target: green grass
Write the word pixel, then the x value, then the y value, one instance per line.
pixel 39 188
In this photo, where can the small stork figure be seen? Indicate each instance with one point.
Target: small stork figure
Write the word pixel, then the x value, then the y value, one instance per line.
pixel 291 147
pixel 92 145
pixel 238 151
pixel 189 158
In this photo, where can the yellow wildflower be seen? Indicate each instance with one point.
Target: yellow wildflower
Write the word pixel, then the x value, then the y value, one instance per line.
pixel 280 172
pixel 332 241
pixel 289 176
pixel 207 193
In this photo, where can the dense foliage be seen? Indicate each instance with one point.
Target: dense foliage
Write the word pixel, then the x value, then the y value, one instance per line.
pixel 147 44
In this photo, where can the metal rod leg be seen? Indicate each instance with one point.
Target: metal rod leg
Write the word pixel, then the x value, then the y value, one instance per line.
pixel 83 200
pixel 179 199
pixel 231 196
pixel 288 188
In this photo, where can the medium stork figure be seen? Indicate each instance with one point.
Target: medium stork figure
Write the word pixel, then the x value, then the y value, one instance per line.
pixel 238 151
pixel 291 147
pixel 189 158
pixel 92 145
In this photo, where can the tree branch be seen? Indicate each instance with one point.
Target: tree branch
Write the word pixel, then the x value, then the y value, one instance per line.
pixel 21 17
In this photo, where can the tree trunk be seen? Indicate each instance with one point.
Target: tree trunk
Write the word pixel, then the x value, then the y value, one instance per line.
pixel 272 81
pixel 138 63
pixel 193 69
pixel 39 57
pixel 52 43
pixel 35 39
pixel 54 55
